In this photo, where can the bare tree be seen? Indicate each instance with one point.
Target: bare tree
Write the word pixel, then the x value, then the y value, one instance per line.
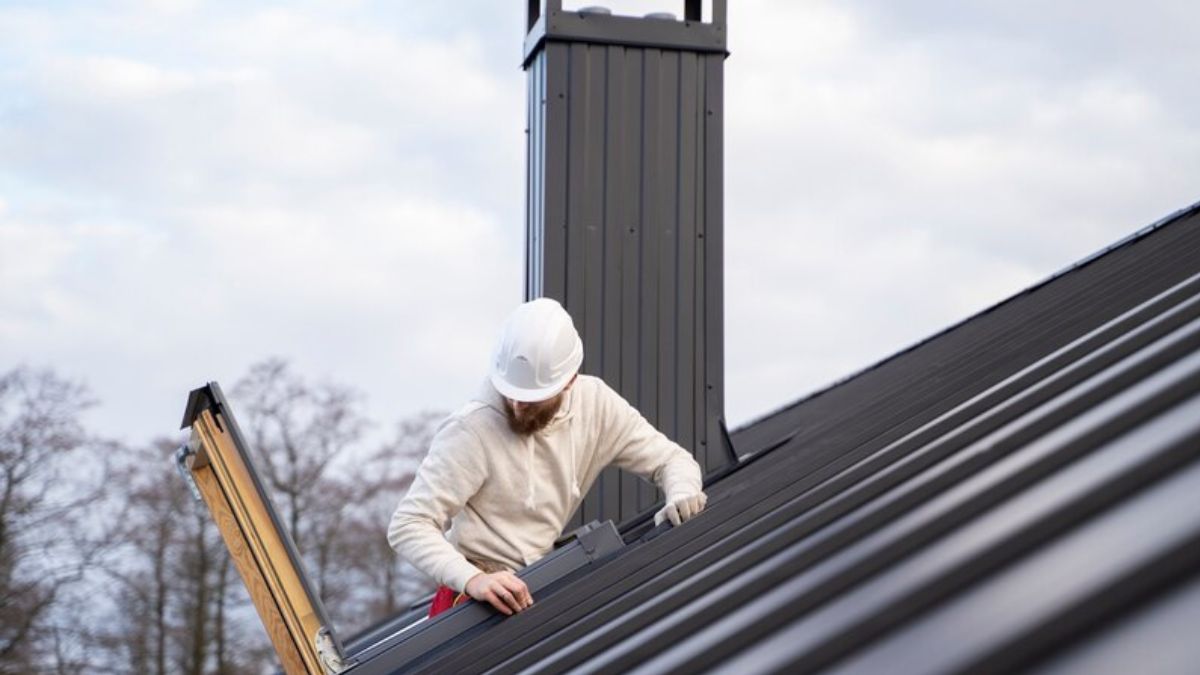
pixel 152 530
pixel 169 597
pixel 296 431
pixel 335 500
pixel 45 540
pixel 300 433
pixel 176 602
pixel 385 476
pixel 364 579
pixel 176 607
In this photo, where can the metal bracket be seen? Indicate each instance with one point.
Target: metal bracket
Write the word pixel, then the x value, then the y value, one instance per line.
pixel 575 534
pixel 181 456
pixel 327 650
pixel 727 443
pixel 600 539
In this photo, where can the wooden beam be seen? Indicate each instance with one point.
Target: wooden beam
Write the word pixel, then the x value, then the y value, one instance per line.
pixel 256 546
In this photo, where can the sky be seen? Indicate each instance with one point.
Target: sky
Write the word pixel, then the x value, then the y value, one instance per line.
pixel 187 188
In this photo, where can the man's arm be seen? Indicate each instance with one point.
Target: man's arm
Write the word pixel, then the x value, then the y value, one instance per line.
pixel 450 474
pixel 644 450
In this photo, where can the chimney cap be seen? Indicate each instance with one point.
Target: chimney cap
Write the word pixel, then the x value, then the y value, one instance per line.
pixel 547 22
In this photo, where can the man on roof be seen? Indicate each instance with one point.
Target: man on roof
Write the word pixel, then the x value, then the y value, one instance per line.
pixel 508 469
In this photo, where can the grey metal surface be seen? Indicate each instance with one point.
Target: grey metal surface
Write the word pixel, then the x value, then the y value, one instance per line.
pixel 1012 492
pixel 1154 640
pixel 988 535
pixel 888 491
pixel 937 507
pixel 420 641
pixel 1009 617
pixel 624 221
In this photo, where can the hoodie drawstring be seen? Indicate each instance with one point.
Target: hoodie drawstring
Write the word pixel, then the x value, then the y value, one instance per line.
pixel 574 477
pixel 530 502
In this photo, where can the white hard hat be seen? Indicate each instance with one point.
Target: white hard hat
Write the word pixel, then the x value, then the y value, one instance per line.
pixel 538 352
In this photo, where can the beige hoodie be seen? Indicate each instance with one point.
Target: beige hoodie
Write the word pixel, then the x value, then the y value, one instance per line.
pixel 505 498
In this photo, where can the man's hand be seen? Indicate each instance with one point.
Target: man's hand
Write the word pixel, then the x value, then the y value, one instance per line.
pixel 505 592
pixel 680 508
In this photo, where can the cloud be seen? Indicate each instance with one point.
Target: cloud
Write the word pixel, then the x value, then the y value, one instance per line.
pixel 188 187
pixel 297 187
pixel 891 171
pixel 126 80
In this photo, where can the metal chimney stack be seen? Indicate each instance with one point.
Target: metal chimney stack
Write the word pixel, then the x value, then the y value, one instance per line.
pixel 624 214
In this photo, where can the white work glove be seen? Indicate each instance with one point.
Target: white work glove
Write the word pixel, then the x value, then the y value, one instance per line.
pixel 681 508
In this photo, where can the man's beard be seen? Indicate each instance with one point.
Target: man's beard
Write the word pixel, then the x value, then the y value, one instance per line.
pixel 534 416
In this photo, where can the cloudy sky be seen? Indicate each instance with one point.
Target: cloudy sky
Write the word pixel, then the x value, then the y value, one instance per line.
pixel 189 187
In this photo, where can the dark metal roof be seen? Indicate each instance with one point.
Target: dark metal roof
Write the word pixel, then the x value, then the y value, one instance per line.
pixel 1019 491
pixel 393 645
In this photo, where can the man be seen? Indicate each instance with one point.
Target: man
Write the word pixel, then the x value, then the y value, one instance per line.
pixel 508 469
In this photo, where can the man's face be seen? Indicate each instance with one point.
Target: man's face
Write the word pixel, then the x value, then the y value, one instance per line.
pixel 527 418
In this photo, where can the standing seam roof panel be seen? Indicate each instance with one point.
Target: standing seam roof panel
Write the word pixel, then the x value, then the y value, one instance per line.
pixel 959 433
pixel 1052 356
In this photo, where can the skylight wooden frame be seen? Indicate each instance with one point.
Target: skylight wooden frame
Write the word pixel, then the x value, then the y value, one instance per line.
pixel 262 550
